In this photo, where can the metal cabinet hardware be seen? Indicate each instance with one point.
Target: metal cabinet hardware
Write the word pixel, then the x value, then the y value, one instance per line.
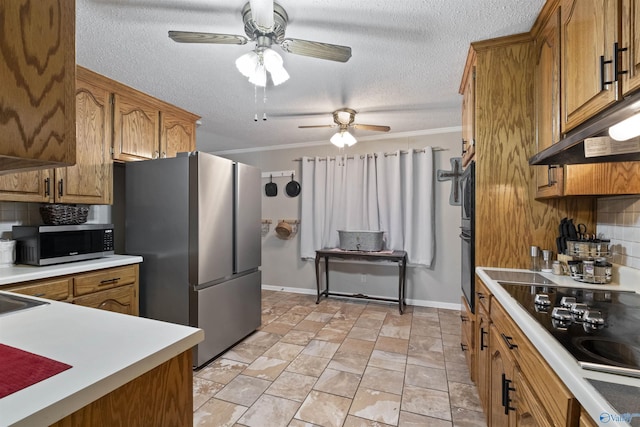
pixel 482 334
pixel 507 341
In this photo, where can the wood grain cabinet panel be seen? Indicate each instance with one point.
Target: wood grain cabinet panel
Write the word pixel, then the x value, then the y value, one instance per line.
pixel 589 31
pixel 122 299
pixel 104 279
pixel 54 289
pixel 34 186
pixel 37 71
pixel 178 134
pixel 467 336
pixel 136 129
pixel 468 91
pixel 603 179
pixel 630 59
pixel 483 354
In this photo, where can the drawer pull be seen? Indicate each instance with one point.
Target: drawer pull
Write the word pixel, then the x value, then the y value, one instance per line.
pixel 480 295
pixel 482 334
pixel 464 318
pixel 463 346
pixel 506 400
pixel 41 294
pixel 109 281
pixel 507 341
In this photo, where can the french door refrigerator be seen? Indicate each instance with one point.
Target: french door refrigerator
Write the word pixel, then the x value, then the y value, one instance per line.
pixel 196 221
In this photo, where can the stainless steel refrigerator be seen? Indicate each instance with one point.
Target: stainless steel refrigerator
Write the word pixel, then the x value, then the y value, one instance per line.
pixel 196 221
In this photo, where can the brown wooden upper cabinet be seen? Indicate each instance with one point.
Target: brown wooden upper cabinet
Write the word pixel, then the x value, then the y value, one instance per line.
pixel 37 71
pixel 589 31
pixel 468 91
pixel 146 128
pixel 631 41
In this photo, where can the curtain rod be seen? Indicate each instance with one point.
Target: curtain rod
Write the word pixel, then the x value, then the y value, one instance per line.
pixel 299 159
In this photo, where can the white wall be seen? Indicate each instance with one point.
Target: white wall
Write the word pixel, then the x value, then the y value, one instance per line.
pixel 619 220
pixel 281 263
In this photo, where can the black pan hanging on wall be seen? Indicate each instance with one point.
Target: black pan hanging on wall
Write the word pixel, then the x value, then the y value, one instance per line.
pixel 292 188
pixel 271 188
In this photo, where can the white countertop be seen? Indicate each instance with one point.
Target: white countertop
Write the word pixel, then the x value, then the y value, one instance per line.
pixel 25 273
pixel 560 360
pixel 105 349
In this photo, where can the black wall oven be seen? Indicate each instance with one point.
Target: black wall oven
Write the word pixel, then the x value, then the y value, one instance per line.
pixel 467 233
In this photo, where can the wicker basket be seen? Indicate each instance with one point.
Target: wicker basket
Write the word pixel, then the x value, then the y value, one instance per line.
pixel 366 241
pixel 63 214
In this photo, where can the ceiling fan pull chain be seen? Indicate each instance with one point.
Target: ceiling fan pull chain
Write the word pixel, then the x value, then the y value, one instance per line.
pixel 264 103
pixel 255 103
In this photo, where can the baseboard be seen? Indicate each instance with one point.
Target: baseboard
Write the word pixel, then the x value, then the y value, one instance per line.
pixel 414 302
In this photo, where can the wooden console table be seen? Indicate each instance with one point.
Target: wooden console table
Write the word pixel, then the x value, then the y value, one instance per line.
pixel 399 257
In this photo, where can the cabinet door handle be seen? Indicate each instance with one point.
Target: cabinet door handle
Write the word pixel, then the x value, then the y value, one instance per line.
pixel 108 281
pixel 164 155
pixel 616 60
pixel 550 178
pixel 464 318
pixel 480 295
pixel 482 334
pixel 507 341
pixel 156 154
pixel 463 150
pixel 60 187
pixel 463 347
pixel 41 294
pixel 47 187
pixel 506 400
pixel 603 81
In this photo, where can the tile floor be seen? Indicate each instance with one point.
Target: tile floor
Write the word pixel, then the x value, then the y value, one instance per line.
pixel 342 362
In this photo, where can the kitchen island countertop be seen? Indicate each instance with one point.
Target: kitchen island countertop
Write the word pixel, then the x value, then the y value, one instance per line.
pixel 25 273
pixel 577 379
pixel 106 350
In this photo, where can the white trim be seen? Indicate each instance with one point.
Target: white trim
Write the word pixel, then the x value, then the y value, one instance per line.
pixel 414 302
pixel 437 131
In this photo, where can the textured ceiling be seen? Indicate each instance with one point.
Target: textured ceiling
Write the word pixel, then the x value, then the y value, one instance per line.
pixel 407 60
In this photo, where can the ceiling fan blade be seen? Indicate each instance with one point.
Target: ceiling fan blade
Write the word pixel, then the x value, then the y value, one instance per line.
pixel 332 52
pixel 262 14
pixel 372 127
pixel 190 37
pixel 317 126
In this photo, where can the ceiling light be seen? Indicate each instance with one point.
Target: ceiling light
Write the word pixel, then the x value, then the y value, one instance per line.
pixel 255 65
pixel 626 129
pixel 342 138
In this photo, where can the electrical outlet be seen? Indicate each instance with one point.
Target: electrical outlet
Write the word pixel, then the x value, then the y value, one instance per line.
pixel 363 278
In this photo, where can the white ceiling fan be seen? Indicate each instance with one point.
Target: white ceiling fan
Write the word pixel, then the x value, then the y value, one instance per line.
pixel 265 23
pixel 344 119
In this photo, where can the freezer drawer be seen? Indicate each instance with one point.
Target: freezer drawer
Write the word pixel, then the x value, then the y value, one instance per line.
pixel 228 312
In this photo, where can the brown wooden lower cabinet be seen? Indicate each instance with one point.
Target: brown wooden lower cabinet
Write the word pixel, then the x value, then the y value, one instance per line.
pixel 516 386
pixel 113 289
pixel 161 397
pixel 466 337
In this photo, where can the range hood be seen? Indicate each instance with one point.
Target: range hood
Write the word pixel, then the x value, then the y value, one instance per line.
pixel 570 150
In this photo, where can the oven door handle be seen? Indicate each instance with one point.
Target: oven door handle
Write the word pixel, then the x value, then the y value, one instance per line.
pixel 465 236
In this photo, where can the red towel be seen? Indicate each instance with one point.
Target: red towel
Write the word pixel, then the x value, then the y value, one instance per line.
pixel 20 369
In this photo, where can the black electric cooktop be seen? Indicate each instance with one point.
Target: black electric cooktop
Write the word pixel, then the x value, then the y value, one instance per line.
pixel 600 328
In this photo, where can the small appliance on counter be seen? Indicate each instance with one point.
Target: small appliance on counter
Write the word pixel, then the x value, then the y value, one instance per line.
pixel 7 253
pixel 56 244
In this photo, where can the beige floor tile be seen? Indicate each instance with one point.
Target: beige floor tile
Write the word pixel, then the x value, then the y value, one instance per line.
pixel 430 359
pixel 309 325
pixel 376 406
pixel 368 323
pixel 466 418
pixel 321 349
pixel 449 340
pixel 407 419
pixel 382 380
pixel 425 327
pixel 330 305
pixel 204 390
pixel 308 365
pixel 353 363
pixel 292 318
pixel 245 353
pixel 318 316
pixel 338 382
pixel 269 411
pixel 341 324
pixel 420 344
pixel 464 396
pixel 355 346
pixel 363 334
pixel 324 409
pixel 262 339
pixel 222 370
pixel 243 390
pixel 331 334
pixel 379 310
pixel 458 372
pixel 292 386
pixel 218 413
pixel 299 423
pixel 424 401
pixel 277 327
pixel 388 360
pixel 266 368
pixel 268 318
pixel 352 421
pixel 298 337
pixel 396 331
pixel 422 376
pixel 454 354
pixel 284 351
pixel 394 345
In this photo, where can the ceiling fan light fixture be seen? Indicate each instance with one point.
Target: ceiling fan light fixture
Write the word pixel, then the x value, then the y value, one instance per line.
pixel 247 63
pixel 259 76
pixel 255 65
pixel 342 138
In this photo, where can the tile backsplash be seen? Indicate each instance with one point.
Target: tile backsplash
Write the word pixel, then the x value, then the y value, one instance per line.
pixel 19 213
pixel 619 220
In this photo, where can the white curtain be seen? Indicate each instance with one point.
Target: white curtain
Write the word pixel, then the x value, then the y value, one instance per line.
pixel 391 192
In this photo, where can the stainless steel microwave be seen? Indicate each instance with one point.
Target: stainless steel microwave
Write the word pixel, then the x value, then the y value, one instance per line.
pixel 55 244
